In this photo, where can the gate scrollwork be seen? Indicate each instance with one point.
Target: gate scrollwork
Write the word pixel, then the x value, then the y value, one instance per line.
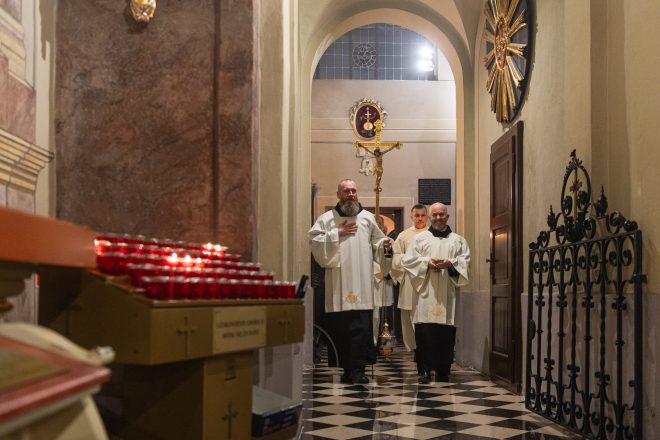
pixel 584 346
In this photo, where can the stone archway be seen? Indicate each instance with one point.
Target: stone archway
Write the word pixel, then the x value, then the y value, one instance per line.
pixel 436 29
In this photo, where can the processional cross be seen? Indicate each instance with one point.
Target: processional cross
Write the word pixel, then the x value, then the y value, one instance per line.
pixel 376 150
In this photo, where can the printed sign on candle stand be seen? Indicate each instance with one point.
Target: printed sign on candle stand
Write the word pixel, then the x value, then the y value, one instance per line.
pixel 238 328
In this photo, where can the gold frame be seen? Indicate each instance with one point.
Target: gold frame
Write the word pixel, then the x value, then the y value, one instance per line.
pixel 503 22
pixel 381 114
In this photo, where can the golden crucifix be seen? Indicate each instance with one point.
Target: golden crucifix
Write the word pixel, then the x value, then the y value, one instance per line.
pixel 377 146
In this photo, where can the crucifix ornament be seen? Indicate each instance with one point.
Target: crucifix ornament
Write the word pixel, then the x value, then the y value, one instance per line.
pixel 373 151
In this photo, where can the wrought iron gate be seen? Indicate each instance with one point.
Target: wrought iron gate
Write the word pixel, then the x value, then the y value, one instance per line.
pixel 584 316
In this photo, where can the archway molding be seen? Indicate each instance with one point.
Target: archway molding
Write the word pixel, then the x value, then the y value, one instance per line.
pixel 416 16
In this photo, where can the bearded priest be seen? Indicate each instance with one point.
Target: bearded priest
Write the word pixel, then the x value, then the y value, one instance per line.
pixel 346 241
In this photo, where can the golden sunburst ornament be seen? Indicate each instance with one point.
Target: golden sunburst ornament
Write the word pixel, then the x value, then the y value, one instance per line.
pixel 508 49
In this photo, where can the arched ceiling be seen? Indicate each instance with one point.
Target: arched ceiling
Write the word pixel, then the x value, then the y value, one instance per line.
pixel 323 21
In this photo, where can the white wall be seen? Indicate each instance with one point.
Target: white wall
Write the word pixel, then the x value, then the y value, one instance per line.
pixel 421 114
pixel 592 87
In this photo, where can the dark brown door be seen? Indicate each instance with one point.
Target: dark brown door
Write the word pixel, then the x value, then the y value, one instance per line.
pixel 505 257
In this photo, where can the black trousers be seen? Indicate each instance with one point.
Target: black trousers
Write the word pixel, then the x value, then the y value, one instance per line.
pixel 435 347
pixel 352 335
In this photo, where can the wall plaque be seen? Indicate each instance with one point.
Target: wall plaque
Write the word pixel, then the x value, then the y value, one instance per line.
pixel 430 191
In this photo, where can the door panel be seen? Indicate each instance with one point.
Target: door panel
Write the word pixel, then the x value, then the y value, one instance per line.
pixel 505 258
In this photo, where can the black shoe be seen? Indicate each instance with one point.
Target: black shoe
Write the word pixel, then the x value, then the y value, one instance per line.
pixel 424 377
pixel 346 377
pixel 358 377
pixel 442 374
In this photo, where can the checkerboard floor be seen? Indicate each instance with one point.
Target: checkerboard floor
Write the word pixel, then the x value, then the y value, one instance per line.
pixel 394 406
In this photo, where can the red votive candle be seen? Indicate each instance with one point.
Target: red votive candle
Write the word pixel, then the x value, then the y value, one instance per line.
pixel 223 288
pixel 195 288
pixel 112 263
pixel 251 288
pixel 209 288
pixel 156 287
pixel 102 246
pixel 260 286
pixel 290 289
pixel 180 287
pixel 234 290
pixel 111 237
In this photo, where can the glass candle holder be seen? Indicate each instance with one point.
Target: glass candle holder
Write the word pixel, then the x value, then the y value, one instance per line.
pixel 195 288
pixel 290 289
pixel 111 263
pixel 223 288
pixel 156 287
pixel 234 289
pixel 179 287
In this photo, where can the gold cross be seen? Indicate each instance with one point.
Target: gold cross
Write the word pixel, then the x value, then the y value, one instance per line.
pixel 229 417
pixel 286 323
pixel 187 331
pixel 367 115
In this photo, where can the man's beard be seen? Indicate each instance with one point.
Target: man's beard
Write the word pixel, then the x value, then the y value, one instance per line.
pixel 349 207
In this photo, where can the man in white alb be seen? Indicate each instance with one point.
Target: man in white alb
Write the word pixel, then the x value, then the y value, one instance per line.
pixel 437 262
pixel 345 241
pixel 419 217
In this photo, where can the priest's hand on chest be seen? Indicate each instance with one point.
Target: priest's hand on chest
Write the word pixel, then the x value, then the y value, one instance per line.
pixel 346 228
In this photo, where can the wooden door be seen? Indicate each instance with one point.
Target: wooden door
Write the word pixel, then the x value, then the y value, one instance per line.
pixel 505 258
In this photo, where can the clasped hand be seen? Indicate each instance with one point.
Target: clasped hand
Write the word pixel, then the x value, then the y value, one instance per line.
pixel 439 263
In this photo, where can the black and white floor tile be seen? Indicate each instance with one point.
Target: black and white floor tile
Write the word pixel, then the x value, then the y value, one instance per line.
pixel 394 406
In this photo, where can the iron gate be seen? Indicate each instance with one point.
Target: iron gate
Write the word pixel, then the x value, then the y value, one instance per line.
pixel 584 315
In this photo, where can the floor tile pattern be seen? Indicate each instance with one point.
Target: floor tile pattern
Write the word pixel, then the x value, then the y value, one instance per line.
pixel 394 406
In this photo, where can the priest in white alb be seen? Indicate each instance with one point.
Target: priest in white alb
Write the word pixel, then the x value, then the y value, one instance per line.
pixel 345 241
pixel 437 262
pixel 419 217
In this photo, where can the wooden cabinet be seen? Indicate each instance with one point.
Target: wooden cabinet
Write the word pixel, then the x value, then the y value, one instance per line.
pixel 188 359
pixel 285 324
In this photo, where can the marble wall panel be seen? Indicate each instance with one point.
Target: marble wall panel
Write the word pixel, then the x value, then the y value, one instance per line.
pixel 236 119
pixel 3 195
pixel 154 121
pixel 134 118
pixel 17 103
pixel 20 109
